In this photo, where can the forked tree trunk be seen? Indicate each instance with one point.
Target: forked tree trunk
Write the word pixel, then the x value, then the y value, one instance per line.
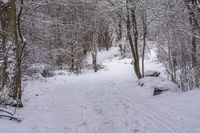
pixel 132 24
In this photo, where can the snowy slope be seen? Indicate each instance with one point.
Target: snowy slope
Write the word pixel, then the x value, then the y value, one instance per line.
pixel 108 101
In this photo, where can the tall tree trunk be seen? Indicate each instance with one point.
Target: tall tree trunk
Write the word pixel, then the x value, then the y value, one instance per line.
pixel 144 21
pixel 72 57
pixel 12 49
pixel 16 87
pixel 193 8
pixel 94 52
pixel 5 54
pixel 134 46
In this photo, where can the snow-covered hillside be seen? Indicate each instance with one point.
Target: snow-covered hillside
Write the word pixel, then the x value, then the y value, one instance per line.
pixel 109 101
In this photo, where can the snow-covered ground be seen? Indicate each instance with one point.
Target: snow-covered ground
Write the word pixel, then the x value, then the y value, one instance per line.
pixel 109 101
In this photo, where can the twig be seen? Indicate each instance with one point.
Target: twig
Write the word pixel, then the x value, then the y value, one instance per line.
pixel 1 110
pixel 11 118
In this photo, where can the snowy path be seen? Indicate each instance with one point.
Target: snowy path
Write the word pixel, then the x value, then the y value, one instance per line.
pixel 105 102
pixel 107 110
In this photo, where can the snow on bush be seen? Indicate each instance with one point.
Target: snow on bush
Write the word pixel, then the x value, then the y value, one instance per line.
pixel 158 83
pixel 40 70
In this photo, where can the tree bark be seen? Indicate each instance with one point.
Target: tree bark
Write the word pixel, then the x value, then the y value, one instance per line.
pixel 193 8
pixel 144 17
pixel 133 45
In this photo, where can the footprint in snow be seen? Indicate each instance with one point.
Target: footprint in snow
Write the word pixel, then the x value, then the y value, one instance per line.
pixel 84 107
pixel 98 111
pixel 136 130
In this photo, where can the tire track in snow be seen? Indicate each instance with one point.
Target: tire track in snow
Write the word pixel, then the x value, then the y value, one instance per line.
pixel 106 118
pixel 131 114
pixel 122 108
pixel 151 114
pixel 126 114
pixel 105 99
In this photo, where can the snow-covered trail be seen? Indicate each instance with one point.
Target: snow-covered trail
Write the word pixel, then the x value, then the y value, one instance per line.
pixel 108 101
pixel 110 111
pixel 91 103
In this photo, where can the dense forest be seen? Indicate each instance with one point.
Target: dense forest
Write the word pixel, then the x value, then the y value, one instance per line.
pixel 43 36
